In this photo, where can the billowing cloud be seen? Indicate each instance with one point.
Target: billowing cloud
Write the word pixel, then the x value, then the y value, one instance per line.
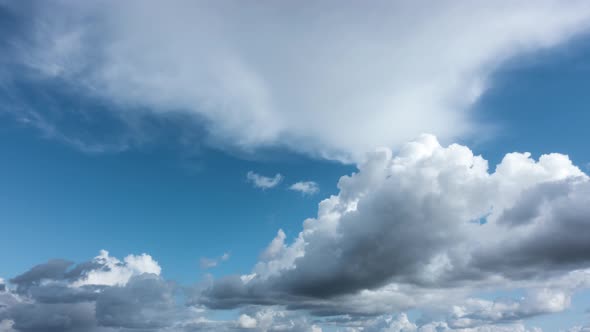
pixel 414 228
pixel 264 182
pixel 305 187
pixel 331 79
pixel 427 228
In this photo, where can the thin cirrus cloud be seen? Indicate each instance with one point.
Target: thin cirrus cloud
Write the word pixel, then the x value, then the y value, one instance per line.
pixel 405 232
pixel 385 72
pixel 263 182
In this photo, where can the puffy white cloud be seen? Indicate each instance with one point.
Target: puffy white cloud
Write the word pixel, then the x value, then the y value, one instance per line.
pixel 425 223
pixel 305 187
pixel 332 79
pixel 246 322
pixel 264 182
pixel 114 272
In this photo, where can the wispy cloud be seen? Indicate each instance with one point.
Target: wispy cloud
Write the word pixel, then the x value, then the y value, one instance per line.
pixel 264 182
pixel 207 263
pixel 305 187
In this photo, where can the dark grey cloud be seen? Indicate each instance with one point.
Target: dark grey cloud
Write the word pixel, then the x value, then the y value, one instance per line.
pixel 145 302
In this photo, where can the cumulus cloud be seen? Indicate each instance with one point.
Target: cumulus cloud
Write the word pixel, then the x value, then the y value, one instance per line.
pixel 247 322
pixel 264 182
pixel 414 228
pixel 425 228
pixel 310 74
pixel 59 296
pixel 305 187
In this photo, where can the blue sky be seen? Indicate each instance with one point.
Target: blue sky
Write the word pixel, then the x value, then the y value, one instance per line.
pixel 132 128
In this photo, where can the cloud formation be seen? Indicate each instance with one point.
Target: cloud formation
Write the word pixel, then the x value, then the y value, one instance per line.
pixel 305 187
pixel 264 182
pixel 309 76
pixel 427 228
pixel 416 227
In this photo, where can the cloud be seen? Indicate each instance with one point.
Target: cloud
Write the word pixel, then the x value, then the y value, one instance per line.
pixel 247 322
pixel 264 182
pixel 207 263
pixel 427 228
pixel 310 76
pixel 144 302
pixel 305 187
pixel 115 272
pixel 579 329
pixel 414 228
pixel 101 295
pixel 401 323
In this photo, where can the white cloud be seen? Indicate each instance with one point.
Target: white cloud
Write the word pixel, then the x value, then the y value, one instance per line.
pixel 246 322
pixel 331 79
pixel 114 272
pixel 264 182
pixel 305 187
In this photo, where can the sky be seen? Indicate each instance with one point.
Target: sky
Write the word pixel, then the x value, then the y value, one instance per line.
pixel 279 166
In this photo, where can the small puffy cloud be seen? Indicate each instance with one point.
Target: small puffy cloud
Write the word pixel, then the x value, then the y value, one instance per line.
pixel 263 182
pixel 305 187
pixel 246 322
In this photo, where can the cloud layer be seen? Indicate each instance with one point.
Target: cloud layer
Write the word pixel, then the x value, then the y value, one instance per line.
pixel 332 79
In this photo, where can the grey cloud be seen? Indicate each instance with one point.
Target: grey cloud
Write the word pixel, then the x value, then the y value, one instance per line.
pixel 412 221
pixel 53 270
pixel 145 302
pixel 55 317
pixel 404 232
